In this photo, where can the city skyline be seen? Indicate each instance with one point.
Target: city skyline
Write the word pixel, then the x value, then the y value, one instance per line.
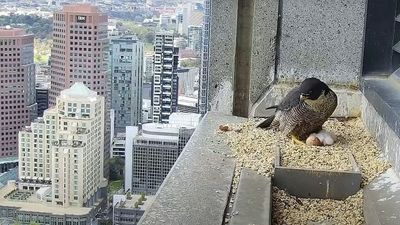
pixel 93 68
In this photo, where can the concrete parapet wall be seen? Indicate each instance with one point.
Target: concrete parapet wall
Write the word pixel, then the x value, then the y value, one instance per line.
pixel 323 39
pixel 387 139
pixel 289 41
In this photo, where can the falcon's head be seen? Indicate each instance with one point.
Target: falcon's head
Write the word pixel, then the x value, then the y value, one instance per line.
pixel 312 89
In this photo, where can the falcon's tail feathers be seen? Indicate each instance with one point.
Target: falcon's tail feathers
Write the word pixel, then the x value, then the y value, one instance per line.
pixel 266 123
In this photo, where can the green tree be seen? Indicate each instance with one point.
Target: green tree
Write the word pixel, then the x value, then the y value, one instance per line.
pixel 117 166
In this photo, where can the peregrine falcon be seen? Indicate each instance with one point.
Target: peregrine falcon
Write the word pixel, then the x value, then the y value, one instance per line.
pixel 303 111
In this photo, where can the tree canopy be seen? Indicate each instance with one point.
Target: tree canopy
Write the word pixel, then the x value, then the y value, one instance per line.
pixel 40 27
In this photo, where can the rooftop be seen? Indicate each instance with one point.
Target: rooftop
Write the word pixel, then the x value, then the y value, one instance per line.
pixel 32 204
pixel 81 8
pixel 78 90
pixel 12 174
pixel 12 32
pixel 121 201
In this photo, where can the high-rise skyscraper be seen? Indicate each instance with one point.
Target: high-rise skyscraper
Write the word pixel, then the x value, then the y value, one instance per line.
pixel 80 49
pixel 80 54
pixel 203 81
pixel 194 37
pixel 17 87
pixel 165 78
pixel 126 63
pixel 64 149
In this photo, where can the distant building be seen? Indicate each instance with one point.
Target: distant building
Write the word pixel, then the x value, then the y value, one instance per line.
pixel 43 74
pixel 10 175
pixel 17 87
pixel 126 63
pixel 151 154
pixel 188 82
pixel 80 49
pixel 195 37
pixel 80 54
pixel 165 79
pixel 192 15
pixel 165 20
pixel 129 210
pixel 147 91
pixel 65 148
pixel 147 115
pixel 42 98
pixel 180 43
pixel 148 68
pixel 118 146
pixel 179 23
pixel 60 173
pixel 187 104
pixel 7 163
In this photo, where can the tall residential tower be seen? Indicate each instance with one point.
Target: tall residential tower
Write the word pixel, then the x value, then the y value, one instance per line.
pixel 165 78
pixel 17 87
pixel 126 81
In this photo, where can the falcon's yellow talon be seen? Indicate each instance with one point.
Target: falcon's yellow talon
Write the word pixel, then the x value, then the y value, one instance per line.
pixel 295 140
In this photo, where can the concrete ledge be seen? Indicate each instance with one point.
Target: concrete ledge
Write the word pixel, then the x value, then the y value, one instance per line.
pixel 348 101
pixel 197 188
pixel 381 116
pixel 253 200
pixel 312 183
pixel 382 200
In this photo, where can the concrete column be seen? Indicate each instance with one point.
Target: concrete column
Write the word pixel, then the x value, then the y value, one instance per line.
pixel 242 53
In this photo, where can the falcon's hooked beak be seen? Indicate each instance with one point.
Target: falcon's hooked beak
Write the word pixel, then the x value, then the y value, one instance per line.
pixel 304 96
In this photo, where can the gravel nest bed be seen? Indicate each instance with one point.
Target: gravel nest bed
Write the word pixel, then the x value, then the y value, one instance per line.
pixel 290 210
pixel 256 149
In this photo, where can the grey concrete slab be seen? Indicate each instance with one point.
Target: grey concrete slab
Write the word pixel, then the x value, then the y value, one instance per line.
pixel 382 200
pixel 253 200
pixel 265 23
pixel 381 116
pixel 312 183
pixel 222 60
pixel 323 39
pixel 197 188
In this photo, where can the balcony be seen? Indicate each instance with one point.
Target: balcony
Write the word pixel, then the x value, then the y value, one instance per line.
pixel 246 77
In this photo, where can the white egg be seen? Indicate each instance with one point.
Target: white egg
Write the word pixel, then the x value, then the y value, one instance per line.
pixel 326 138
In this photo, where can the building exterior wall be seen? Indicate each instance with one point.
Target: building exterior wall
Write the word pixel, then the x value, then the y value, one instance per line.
pixel 42 99
pixel 154 152
pixel 26 217
pixel 195 37
pixel 80 49
pixel 165 79
pixel 127 216
pixel 17 87
pixel 80 54
pixel 126 81
pixel 65 148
